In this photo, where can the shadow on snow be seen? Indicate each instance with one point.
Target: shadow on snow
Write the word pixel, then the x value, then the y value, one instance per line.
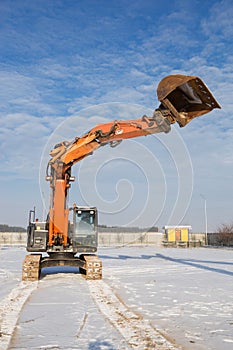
pixel 196 263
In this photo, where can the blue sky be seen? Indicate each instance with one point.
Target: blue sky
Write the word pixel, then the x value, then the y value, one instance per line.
pixel 61 60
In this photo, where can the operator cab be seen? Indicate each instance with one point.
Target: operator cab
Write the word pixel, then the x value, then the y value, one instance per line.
pixel 83 231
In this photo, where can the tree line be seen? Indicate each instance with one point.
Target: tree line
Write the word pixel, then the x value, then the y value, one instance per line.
pixel 7 228
pixel 122 229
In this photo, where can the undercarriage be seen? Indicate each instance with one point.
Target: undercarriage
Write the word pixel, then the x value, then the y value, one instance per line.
pixel 90 266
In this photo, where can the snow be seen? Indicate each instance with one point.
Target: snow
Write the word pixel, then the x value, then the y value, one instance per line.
pixel 137 331
pixel 10 308
pixel 149 298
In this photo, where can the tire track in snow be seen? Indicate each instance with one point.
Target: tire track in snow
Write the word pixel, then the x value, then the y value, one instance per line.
pixel 10 308
pixel 137 332
pixel 82 325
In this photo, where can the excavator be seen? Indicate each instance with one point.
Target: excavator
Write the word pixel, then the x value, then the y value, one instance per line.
pixel 69 236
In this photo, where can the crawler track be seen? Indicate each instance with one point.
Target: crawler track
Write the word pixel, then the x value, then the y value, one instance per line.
pixel 92 268
pixel 31 267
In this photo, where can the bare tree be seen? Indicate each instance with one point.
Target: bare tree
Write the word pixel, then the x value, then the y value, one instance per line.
pixel 224 234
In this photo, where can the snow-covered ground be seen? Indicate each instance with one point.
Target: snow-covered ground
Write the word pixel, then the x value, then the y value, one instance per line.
pixel 149 298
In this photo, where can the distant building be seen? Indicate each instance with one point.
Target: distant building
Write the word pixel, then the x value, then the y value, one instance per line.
pixel 177 233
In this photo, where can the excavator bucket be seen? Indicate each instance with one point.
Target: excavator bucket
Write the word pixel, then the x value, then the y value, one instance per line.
pixel 186 97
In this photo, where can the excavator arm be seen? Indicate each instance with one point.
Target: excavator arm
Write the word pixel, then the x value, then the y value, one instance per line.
pixel 182 98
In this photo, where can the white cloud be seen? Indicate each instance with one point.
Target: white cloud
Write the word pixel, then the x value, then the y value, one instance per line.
pixel 218 26
pixel 22 137
pixel 21 92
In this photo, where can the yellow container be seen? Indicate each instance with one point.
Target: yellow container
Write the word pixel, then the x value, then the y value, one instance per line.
pixel 177 233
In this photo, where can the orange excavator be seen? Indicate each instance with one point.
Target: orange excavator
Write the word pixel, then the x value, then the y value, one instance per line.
pixel 69 235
